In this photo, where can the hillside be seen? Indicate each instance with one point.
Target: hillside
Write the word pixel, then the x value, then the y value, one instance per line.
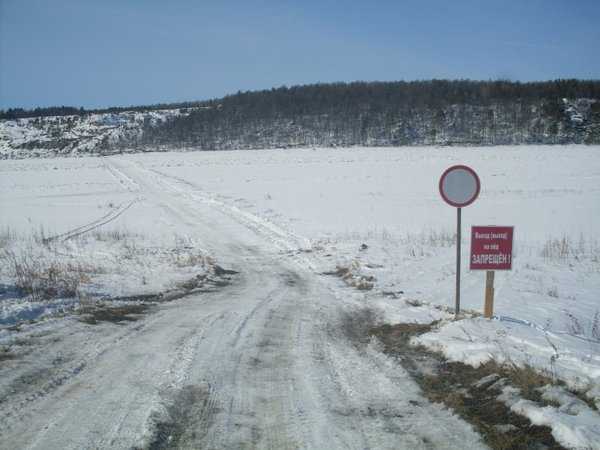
pixel 340 114
pixel 78 135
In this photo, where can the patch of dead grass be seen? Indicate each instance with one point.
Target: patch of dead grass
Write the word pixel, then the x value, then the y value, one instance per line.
pixel 472 392
pixel 6 356
pixel 114 314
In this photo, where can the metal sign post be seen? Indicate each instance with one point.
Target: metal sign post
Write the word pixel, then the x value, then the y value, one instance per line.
pixel 458 241
pixel 459 186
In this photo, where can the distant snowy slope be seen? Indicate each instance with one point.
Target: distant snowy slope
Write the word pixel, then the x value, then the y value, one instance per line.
pixel 76 135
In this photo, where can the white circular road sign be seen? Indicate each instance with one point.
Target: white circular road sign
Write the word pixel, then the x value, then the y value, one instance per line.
pixel 459 186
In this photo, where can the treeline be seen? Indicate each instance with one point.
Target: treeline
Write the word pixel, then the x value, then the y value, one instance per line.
pixel 433 93
pixel 20 113
pixel 377 94
pixel 388 113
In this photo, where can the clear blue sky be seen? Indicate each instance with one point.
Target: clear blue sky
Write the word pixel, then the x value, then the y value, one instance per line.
pixel 99 53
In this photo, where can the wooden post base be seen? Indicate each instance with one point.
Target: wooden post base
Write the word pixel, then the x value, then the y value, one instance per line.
pixel 488 307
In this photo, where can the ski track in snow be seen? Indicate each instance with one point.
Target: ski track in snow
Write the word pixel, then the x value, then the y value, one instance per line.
pixel 265 355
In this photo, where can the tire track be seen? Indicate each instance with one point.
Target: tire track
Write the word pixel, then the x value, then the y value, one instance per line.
pixel 273 374
pixel 115 213
pixel 128 183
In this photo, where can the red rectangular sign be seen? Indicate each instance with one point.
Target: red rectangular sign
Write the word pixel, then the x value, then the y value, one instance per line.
pixel 491 248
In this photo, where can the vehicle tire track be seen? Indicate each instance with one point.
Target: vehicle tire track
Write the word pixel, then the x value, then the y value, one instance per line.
pixel 127 183
pixel 270 373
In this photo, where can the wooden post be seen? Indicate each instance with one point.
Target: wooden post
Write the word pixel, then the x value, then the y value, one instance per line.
pixel 488 307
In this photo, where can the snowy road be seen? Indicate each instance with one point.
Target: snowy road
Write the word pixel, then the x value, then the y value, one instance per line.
pixel 262 363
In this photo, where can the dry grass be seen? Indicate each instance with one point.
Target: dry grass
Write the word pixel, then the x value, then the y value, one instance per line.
pixel 7 237
pixel 472 392
pixel 433 238
pixel 567 247
pixel 528 380
pixel 427 240
pixel 112 235
pixel 41 277
pixel 588 328
pixel 5 354
pixel 115 314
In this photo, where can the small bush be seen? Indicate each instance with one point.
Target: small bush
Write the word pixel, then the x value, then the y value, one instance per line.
pixel 43 278
pixel 589 328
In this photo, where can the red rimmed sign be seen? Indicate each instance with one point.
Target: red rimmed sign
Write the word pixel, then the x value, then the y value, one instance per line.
pixel 459 186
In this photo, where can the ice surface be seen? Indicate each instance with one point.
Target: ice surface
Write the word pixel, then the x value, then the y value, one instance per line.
pixel 376 212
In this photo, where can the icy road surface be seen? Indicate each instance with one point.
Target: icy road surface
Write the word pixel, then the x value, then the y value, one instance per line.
pixel 262 363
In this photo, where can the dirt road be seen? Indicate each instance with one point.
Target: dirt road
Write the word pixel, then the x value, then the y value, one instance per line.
pixel 265 362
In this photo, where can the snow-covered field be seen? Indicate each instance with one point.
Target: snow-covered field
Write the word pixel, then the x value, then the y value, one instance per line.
pixel 263 352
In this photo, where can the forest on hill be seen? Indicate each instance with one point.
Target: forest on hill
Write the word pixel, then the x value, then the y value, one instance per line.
pixel 433 112
pixel 375 114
